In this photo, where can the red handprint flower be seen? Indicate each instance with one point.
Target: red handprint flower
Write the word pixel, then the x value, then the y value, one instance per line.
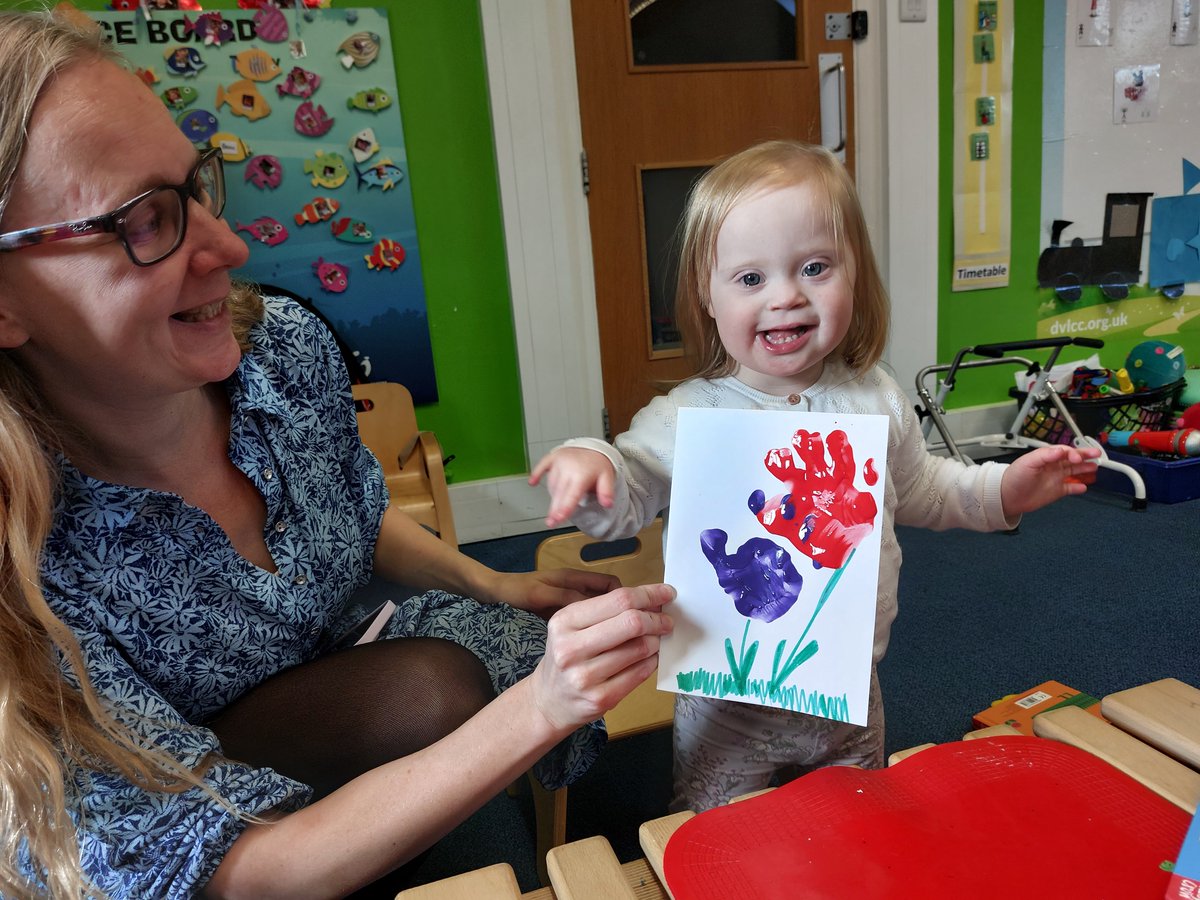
pixel 821 512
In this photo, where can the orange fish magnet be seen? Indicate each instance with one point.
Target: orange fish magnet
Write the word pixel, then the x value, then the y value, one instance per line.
pixel 256 64
pixel 387 254
pixel 319 210
pixel 243 99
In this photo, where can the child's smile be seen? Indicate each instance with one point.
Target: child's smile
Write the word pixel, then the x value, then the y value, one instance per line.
pixel 782 293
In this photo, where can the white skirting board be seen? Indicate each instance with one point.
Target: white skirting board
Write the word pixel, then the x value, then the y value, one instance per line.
pixel 503 507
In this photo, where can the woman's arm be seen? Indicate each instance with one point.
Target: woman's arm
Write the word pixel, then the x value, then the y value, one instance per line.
pixel 597 651
pixel 408 554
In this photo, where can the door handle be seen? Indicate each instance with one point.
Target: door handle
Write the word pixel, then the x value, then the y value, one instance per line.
pixel 833 102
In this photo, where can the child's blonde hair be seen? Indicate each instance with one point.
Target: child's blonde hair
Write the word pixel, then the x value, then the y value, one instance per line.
pixel 767 166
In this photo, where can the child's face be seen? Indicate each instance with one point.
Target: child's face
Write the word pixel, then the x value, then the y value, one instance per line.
pixel 782 296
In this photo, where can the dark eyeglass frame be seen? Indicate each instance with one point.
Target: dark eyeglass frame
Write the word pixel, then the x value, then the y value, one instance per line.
pixel 114 222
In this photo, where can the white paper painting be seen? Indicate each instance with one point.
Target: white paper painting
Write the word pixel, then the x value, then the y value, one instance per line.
pixel 773 547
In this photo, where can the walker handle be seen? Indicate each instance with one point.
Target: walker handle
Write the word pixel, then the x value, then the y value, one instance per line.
pixel 995 351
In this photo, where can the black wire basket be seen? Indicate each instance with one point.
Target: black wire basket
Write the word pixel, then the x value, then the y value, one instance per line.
pixel 1146 410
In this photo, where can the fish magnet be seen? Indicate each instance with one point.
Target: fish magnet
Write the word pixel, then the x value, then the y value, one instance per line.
pixel 334 277
pixel 375 100
pixel 264 172
pixel 177 98
pixel 270 24
pixel 232 147
pixel 243 99
pixel 363 145
pixel 184 61
pixel 312 122
pixel 320 209
pixel 358 50
pixel 256 64
pixel 210 27
pixel 387 254
pixel 384 175
pixel 299 83
pixel 265 230
pixel 198 125
pixel 352 231
pixel 328 170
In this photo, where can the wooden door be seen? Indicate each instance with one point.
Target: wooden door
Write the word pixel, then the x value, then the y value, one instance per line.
pixel 666 89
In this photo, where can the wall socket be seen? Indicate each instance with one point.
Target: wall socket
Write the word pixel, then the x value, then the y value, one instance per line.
pixel 912 10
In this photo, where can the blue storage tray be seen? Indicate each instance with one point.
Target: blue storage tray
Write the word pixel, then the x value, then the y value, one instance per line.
pixel 1167 480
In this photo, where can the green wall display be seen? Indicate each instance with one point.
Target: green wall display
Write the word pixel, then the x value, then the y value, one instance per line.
pixel 1023 310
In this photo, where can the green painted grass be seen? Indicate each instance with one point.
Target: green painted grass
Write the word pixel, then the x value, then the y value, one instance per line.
pixel 723 684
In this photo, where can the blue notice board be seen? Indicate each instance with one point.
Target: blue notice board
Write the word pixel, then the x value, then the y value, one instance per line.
pixel 304 104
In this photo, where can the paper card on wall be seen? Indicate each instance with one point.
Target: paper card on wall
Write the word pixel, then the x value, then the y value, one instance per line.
pixel 773 547
pixel 1183 22
pixel 1135 95
pixel 1092 27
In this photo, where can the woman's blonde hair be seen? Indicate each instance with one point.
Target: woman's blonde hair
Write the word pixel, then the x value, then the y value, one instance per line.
pixel 768 166
pixel 49 729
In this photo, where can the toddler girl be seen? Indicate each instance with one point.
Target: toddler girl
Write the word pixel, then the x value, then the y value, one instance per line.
pixel 782 308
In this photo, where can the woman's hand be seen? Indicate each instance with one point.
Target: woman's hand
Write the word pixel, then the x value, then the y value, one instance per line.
pixel 572 473
pixel 1045 474
pixel 544 593
pixel 597 651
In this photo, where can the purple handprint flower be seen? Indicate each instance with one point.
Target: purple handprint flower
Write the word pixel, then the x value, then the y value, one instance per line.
pixel 759 577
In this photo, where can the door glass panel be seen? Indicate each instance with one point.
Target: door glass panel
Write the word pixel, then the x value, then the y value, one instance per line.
pixel 704 32
pixel 664 193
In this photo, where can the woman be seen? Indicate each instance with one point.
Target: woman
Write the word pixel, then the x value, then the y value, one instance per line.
pixel 184 512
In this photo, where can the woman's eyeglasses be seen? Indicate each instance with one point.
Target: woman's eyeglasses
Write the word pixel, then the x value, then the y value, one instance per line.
pixel 151 226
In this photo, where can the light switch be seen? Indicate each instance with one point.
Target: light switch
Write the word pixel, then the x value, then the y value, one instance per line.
pixel 912 10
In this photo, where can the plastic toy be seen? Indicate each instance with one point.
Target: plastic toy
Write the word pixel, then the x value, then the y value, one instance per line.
pixel 1190 417
pixel 1154 363
pixel 1183 442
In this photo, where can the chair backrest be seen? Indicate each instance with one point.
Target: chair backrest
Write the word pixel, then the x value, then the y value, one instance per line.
pixel 413 467
pixel 645 708
pixel 575 550
pixel 387 421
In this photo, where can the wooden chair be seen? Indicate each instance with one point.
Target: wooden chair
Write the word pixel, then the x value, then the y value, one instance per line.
pixel 413 469
pixel 412 459
pixel 646 708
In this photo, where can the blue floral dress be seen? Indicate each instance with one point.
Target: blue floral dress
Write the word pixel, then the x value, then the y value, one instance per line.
pixel 175 624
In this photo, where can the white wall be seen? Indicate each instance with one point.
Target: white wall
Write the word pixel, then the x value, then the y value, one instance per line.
pixel 535 111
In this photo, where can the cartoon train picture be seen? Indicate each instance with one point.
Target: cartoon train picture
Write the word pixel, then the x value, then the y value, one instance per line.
pixel 1114 264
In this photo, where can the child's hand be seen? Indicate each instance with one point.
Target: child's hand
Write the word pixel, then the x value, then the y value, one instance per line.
pixel 1045 474
pixel 571 474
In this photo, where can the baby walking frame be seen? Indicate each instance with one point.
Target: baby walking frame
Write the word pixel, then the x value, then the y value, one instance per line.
pixel 1041 394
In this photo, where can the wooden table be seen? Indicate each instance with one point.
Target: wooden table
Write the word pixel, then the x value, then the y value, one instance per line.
pixel 1157 743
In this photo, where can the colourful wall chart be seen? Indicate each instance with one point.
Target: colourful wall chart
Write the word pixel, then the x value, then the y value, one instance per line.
pixel 303 104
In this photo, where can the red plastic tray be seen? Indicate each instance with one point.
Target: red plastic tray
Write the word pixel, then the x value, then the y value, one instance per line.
pixel 987 818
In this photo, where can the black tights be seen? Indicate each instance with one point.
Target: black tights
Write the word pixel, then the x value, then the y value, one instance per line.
pixel 328 721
